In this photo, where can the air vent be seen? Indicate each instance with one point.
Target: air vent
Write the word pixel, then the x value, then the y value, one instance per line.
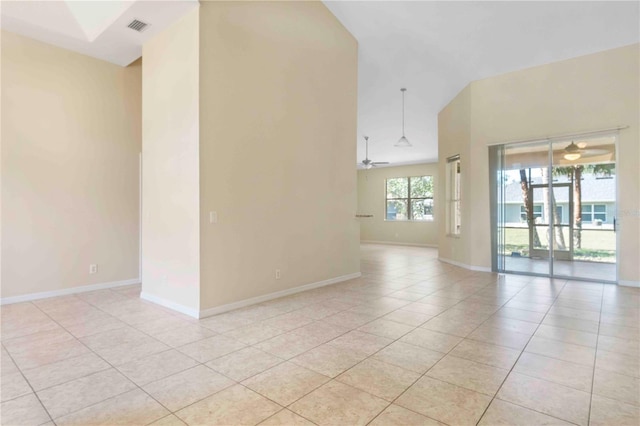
pixel 138 26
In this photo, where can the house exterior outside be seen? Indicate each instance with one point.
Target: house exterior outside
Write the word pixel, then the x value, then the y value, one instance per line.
pixel 598 202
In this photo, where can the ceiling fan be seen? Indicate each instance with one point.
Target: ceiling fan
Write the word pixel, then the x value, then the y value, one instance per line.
pixel 366 163
pixel 573 151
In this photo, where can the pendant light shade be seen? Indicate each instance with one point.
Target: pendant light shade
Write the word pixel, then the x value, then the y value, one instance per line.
pixel 403 142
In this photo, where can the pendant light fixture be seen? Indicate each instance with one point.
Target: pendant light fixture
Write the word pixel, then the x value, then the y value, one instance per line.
pixel 403 142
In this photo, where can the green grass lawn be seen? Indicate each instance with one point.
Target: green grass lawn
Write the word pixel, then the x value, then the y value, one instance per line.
pixel 597 245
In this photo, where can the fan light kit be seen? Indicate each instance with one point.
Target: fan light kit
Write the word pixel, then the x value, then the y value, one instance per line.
pixel 572 152
pixel 403 142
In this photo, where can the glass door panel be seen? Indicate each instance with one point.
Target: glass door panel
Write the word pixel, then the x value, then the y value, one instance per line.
pixel 523 224
pixel 587 167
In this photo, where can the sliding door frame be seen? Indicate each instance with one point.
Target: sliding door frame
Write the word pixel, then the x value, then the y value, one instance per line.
pixel 498 206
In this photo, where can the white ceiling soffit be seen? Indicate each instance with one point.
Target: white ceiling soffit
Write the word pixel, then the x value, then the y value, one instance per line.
pixel 435 49
pixel 94 28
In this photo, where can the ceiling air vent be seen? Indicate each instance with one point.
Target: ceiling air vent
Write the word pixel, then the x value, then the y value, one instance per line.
pixel 139 26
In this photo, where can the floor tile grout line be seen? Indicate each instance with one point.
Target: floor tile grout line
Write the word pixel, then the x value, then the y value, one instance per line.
pixel 46 410
pixel 108 363
pixel 328 342
pixel 367 300
pixel 595 359
pixel 425 373
pixel 511 370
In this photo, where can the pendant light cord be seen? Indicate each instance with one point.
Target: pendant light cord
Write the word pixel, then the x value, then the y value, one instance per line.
pixel 403 90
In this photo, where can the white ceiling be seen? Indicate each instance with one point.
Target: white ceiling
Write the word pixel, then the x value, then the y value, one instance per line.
pixel 94 28
pixel 435 49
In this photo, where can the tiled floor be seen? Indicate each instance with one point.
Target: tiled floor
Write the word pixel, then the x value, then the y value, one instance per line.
pixel 414 341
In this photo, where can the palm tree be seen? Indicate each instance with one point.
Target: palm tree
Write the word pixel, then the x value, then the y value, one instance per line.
pixel 574 173
pixel 528 206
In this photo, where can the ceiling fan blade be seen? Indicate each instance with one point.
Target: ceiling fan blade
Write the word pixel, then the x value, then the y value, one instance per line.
pixel 596 151
pixel 380 162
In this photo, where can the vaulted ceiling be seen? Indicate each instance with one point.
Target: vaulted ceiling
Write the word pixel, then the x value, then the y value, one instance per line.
pixel 435 49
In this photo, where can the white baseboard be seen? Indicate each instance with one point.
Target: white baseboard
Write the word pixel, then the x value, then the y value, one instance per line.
pixel 192 312
pixel 259 299
pixel 627 283
pixel 67 291
pixel 465 266
pixel 396 243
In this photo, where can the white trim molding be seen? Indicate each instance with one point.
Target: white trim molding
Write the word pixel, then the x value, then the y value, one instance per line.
pixel 266 297
pixel 67 291
pixel 394 243
pixel 192 312
pixel 628 283
pixel 465 266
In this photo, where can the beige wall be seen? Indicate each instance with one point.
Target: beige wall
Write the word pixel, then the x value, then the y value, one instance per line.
pixel 71 134
pixel 454 138
pixel 582 94
pixel 170 169
pixel 371 200
pixel 277 148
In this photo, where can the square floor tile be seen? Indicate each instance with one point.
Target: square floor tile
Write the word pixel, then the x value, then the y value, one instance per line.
pixel 444 402
pixel 431 340
pixel 72 396
pixel 286 418
pixel 378 378
pixel 329 360
pixel 468 374
pixel 156 367
pixel 242 364
pixel 506 414
pixel 288 345
pixel 564 373
pixel 545 397
pixel 567 335
pixel 130 408
pixel 607 412
pixel 236 405
pixel 184 335
pixel 285 383
pixel 409 357
pixel 389 329
pixel 618 363
pixel 211 348
pixel 338 404
pixel 25 410
pixel 561 350
pixel 617 386
pixel 184 388
pixel 486 353
pixel 362 342
pixel 394 415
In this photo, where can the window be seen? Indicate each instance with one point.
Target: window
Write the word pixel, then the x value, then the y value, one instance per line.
pixel 454 214
pixel 410 198
pixel 537 212
pixel 593 212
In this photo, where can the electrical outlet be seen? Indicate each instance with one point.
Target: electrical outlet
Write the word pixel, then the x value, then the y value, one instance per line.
pixel 277 274
pixel 93 268
pixel 213 217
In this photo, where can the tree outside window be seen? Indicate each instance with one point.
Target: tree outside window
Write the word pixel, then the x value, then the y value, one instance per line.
pixel 409 198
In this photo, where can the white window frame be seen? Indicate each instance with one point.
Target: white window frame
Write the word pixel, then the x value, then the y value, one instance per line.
pixel 408 200
pixel 454 196
pixel 593 213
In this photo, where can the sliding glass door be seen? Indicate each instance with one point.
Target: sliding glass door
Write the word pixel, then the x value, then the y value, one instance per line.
pixel 553 208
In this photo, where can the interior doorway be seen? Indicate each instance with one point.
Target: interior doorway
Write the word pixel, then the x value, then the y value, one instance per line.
pixel 554 208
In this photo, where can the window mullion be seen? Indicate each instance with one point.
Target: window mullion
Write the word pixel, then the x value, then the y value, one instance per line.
pixel 409 213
